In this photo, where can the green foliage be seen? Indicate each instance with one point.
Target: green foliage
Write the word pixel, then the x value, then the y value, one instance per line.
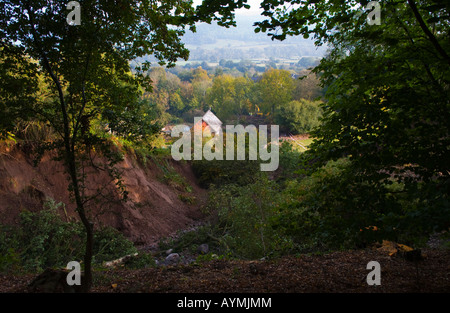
pixel 303 210
pixel 9 259
pixel 192 92
pixel 244 219
pixel 308 86
pixel 299 117
pixel 330 208
pixel 188 199
pixel 170 176
pixel 205 258
pixel 48 240
pixel 334 209
pixel 86 73
pixel 189 241
pixel 275 90
pixel 33 132
pixel 324 211
pixel 378 169
pixel 19 77
pixel 221 96
pixel 219 173
pixel 222 172
pixel 290 162
pixel 142 260
pixel 387 110
pixel 44 240
pixel 230 96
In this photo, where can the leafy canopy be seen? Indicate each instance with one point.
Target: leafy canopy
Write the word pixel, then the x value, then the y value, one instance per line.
pixel 387 104
pixel 85 72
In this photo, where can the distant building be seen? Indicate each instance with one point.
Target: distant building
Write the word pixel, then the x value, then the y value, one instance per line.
pixel 210 124
pixel 168 130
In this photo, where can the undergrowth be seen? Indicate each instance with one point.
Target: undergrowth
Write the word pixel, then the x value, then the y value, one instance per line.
pixel 43 239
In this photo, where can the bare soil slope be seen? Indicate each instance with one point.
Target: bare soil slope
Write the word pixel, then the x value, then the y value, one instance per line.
pixel 154 208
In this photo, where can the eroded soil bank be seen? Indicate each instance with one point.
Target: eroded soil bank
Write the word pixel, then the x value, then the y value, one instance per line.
pixel 163 195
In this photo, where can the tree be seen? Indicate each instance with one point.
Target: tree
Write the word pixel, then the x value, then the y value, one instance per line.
pixel 221 96
pixel 200 84
pixel 275 90
pixel 199 75
pixel 218 71
pixel 176 104
pixel 186 91
pixel 307 87
pixel 388 104
pixel 19 86
pixel 243 87
pixel 159 101
pixel 300 117
pixel 87 68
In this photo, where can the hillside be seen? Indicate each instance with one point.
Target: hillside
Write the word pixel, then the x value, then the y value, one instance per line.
pixel 156 209
pixel 155 206
pixel 212 43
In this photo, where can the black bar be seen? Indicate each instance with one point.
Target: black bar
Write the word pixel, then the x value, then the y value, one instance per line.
pixel 227 302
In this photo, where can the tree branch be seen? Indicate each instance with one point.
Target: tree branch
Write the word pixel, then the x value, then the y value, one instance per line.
pixel 427 32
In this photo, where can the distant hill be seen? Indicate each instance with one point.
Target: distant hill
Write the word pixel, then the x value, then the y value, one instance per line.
pixel 212 43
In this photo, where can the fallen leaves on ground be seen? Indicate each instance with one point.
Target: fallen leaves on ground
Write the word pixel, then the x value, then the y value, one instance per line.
pixel 330 273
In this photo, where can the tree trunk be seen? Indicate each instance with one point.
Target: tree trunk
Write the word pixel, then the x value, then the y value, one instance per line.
pixel 87 284
pixel 70 162
pixel 69 159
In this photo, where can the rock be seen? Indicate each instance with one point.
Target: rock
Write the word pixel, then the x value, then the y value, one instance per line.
pixel 172 258
pixel 169 251
pixel 203 248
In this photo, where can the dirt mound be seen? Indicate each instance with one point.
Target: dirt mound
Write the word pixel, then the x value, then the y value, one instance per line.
pixel 157 204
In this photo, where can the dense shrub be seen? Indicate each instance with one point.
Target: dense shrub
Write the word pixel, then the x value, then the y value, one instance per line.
pixel 220 173
pixel 44 240
pixel 244 219
pixel 323 211
pixel 335 208
pixel 299 117
pixel 331 208
pixel 223 172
